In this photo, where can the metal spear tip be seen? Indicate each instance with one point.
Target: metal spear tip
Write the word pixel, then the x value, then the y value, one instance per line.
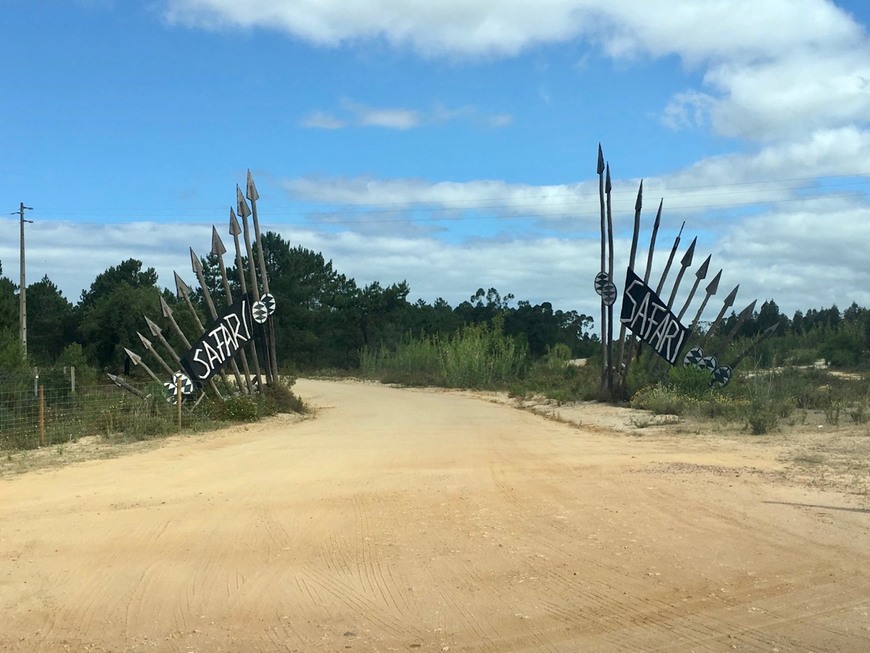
pixel 690 254
pixel 251 190
pixel 702 271
pixel 746 312
pixel 164 308
pixel 600 159
pixel 638 204
pixel 658 220
pixel 769 330
pixel 152 326
pixel 241 205
pixel 217 245
pixel 729 300
pixel 194 262
pixel 181 288
pixel 714 285
pixel 144 340
pixel 235 227
pixel 133 356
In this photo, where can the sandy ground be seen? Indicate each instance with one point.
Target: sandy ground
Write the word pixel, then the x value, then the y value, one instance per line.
pixel 413 520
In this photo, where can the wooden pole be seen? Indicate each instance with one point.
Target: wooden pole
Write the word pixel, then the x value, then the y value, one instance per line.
pixel 178 399
pixel 41 415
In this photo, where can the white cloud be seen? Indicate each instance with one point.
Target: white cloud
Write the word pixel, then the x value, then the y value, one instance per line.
pixel 322 120
pixel 361 115
pixel 775 69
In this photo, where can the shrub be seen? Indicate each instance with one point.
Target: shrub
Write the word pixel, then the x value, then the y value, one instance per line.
pixel 279 398
pixel 241 408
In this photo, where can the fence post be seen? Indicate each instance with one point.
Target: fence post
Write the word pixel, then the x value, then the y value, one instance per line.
pixel 35 381
pixel 178 398
pixel 41 416
pixel 72 379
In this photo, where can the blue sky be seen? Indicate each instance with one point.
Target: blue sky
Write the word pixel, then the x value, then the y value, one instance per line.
pixel 449 144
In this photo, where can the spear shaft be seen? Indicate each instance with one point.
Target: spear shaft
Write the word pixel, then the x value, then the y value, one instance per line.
pixel 729 301
pixel 150 349
pixel 235 230
pixel 638 204
pixel 769 331
pixel 183 290
pixel 252 195
pixel 121 383
pixel 602 268
pixel 711 290
pixel 670 260
pixel 700 275
pixel 137 360
pixel 652 242
pixel 741 320
pixel 608 191
pixel 244 212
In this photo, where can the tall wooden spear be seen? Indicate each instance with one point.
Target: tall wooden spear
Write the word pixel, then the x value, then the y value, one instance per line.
pixel 150 349
pixel 218 249
pixel 769 331
pixel 235 230
pixel 700 275
pixel 652 242
pixel 670 260
pixel 649 261
pixel 638 204
pixel 729 301
pixel 741 320
pixel 710 290
pixel 136 359
pixel 603 269
pixel 244 212
pixel 608 188
pixel 685 263
pixel 252 195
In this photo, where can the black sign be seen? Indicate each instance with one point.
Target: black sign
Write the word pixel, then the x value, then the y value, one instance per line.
pixel 230 331
pixel 649 318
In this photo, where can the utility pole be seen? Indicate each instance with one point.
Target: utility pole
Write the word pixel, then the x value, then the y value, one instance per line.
pixel 22 291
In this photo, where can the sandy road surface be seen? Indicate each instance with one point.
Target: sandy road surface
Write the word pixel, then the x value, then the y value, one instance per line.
pixel 405 520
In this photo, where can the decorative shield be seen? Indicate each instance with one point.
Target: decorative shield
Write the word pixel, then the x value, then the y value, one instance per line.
pixel 170 387
pixel 721 376
pixel 260 312
pixel 694 357
pixel 601 280
pixel 608 293
pixel 709 363
pixel 269 301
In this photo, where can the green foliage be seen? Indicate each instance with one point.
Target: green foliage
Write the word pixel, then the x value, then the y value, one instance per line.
pixel 481 357
pixel 279 398
pixel 662 399
pixel 689 381
pixel 478 356
pixel 241 408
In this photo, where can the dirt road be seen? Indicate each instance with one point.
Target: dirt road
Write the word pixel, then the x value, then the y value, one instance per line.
pixel 411 520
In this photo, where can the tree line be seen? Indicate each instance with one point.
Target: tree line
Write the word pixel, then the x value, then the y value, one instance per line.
pixel 325 320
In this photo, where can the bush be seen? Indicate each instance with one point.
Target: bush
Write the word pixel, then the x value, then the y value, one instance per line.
pixel 662 400
pixel 241 408
pixel 277 398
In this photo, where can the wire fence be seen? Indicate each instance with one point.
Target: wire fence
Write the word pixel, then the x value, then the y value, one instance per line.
pixel 51 408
